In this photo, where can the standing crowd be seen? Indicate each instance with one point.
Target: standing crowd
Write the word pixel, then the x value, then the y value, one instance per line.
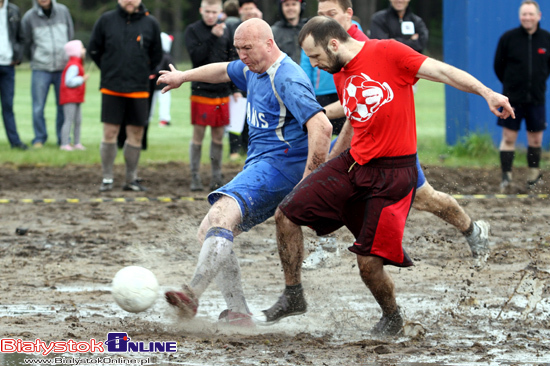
pixel 329 135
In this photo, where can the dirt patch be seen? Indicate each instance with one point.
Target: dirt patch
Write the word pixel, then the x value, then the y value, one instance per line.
pixel 55 279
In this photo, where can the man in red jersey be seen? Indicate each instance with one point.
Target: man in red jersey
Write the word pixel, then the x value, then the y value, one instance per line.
pixel 369 187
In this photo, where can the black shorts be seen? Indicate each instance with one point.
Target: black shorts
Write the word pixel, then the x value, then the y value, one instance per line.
pixel 371 200
pixel 124 111
pixel 534 115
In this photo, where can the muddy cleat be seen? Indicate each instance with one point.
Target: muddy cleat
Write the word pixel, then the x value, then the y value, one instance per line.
pixel 185 301
pixel 106 185
pixel 478 241
pixel 134 186
pixel 234 319
pixel 506 182
pixel 534 178
pixel 196 183
pixel 389 325
pixel 286 305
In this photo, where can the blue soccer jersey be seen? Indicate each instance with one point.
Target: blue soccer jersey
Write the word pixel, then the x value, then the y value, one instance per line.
pixel 279 103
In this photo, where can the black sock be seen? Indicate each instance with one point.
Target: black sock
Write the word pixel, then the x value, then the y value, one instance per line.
pixel 293 290
pixel 533 156
pixel 507 160
pixel 470 229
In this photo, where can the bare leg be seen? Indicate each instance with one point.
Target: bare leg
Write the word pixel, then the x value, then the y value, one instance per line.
pixel 290 242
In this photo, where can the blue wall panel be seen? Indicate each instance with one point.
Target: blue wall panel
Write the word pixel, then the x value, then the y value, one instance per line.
pixel 471 30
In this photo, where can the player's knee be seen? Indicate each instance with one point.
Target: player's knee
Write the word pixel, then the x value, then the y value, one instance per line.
pixel 369 266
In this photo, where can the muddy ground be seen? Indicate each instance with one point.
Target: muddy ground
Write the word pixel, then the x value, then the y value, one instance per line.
pixel 55 279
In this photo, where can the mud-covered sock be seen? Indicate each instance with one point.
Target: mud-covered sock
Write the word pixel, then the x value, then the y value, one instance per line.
pixel 215 252
pixel 108 152
pixel 195 157
pixel 470 229
pixel 230 284
pixel 294 290
pixel 131 156
pixel 216 151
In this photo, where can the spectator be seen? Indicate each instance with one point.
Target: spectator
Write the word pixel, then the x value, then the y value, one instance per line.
pixel 46 27
pixel 11 52
pixel 73 88
pixel 207 42
pixel 125 68
pixel 400 23
pixel 164 100
pixel 522 64
pixel 248 9
pixel 287 29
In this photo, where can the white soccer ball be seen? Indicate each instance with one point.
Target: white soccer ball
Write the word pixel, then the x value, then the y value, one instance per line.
pixel 135 289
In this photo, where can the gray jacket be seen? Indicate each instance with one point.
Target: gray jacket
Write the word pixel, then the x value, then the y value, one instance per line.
pixel 14 32
pixel 45 37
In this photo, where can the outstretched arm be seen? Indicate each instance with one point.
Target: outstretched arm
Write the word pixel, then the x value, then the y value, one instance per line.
pixel 212 73
pixel 438 71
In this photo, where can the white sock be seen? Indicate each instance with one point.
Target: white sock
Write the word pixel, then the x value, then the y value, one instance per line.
pixel 215 252
pixel 229 283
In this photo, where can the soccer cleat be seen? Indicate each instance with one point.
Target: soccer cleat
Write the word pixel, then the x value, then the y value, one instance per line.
pixel 106 185
pixel 389 325
pixel 534 178
pixel 478 241
pixel 286 305
pixel 134 186
pixel 164 124
pixel 185 301
pixel 228 317
pixel 196 183
pixel 506 182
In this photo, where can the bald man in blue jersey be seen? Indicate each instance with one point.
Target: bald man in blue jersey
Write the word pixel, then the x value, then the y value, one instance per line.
pixel 289 137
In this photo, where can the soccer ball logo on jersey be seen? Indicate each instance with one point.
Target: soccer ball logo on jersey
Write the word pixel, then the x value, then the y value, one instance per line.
pixel 364 96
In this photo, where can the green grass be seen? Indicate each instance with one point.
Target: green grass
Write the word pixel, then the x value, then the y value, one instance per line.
pixel 172 143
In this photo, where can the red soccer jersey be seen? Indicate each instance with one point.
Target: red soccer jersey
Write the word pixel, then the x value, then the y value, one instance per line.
pixel 375 89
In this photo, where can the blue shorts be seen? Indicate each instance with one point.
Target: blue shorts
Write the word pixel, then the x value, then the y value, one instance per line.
pixel 421 178
pixel 258 190
pixel 534 115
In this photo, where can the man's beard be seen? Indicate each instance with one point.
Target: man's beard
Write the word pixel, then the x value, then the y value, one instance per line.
pixel 335 62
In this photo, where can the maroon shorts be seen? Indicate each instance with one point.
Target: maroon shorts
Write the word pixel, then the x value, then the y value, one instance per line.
pixel 371 200
pixel 210 112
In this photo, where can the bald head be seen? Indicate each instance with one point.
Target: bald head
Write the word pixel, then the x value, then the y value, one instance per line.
pixel 254 43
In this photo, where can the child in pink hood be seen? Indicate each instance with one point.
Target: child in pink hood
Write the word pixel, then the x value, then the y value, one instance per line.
pixel 72 90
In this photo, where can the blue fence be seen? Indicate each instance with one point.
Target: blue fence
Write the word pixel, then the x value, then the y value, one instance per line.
pixel 471 30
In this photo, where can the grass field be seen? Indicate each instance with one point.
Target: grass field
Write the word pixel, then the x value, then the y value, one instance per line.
pixel 171 143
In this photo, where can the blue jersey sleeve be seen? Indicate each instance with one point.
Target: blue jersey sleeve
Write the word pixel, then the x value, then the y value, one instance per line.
pixel 295 89
pixel 237 73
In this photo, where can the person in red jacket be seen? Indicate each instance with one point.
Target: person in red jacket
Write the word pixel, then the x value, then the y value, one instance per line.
pixel 73 88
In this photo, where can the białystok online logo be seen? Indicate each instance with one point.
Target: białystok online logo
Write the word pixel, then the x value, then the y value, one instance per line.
pixel 117 342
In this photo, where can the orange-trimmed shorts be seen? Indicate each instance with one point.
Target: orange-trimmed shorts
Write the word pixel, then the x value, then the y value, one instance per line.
pixel 213 112
pixel 371 200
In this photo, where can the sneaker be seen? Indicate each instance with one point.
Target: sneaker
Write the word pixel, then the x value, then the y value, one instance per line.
pixel 79 147
pixel 286 305
pixel 389 325
pixel 134 186
pixel 185 301
pixel 38 145
pixel 506 182
pixel 534 178
pixel 66 147
pixel 216 183
pixel 106 185
pixel 164 124
pixel 20 146
pixel 196 183
pixel 478 241
pixel 228 317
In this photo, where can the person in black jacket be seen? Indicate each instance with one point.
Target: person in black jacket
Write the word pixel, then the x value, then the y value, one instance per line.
pixel 287 29
pixel 398 22
pixel 208 41
pixel 522 64
pixel 126 46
